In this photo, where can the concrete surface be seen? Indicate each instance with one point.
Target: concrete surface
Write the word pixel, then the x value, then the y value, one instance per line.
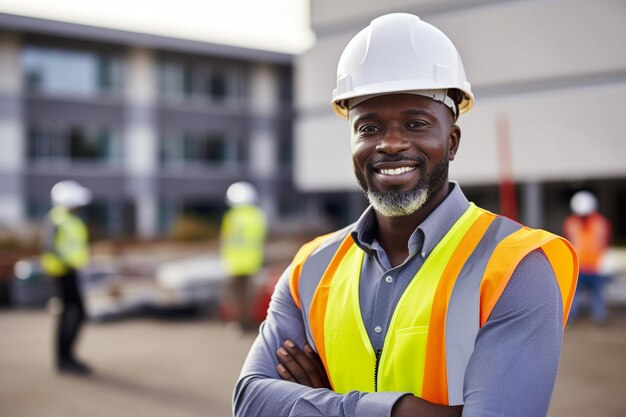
pixel 187 368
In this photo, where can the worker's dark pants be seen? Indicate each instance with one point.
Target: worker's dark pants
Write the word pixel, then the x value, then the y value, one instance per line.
pixel 71 318
pixel 593 285
pixel 239 289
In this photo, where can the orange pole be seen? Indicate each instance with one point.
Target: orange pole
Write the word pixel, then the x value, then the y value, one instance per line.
pixel 508 195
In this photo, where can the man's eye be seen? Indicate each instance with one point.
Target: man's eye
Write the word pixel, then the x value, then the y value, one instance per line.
pixel 368 129
pixel 416 123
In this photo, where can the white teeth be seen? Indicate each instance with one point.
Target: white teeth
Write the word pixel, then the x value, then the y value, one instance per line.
pixel 396 171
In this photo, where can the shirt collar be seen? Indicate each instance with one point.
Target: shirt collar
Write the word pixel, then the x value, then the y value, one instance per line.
pixel 427 235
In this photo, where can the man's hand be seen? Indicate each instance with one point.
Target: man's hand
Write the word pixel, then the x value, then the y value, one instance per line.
pixel 303 367
pixel 410 405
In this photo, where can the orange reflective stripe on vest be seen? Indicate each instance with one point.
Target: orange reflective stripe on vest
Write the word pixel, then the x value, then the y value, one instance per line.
pixel 296 266
pixel 435 363
pixel 511 251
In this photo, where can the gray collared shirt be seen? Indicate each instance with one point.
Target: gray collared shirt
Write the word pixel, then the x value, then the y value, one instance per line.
pixel 511 372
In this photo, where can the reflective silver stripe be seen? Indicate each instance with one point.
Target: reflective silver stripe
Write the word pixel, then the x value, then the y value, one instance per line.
pixel 312 272
pixel 463 315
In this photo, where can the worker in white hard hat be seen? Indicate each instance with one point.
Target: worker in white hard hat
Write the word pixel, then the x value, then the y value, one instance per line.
pixel 242 239
pixel 427 305
pixel 66 252
pixel 590 234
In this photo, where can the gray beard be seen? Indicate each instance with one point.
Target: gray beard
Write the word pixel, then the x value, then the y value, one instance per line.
pixel 395 204
pixel 398 204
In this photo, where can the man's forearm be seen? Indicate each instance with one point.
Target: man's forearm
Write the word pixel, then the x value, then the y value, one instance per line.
pixel 304 367
pixel 260 396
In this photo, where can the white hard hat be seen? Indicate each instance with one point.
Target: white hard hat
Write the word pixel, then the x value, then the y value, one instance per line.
pixel 70 194
pixel 583 203
pixel 241 193
pixel 398 53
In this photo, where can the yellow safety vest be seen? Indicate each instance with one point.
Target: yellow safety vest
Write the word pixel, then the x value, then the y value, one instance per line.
pixel 242 238
pixel 434 325
pixel 70 246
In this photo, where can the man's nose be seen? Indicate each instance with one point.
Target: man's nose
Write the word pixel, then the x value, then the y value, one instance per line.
pixel 393 142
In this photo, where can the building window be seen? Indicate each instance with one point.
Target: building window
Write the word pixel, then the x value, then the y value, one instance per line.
pixel 199 82
pixel 46 144
pixel 285 153
pixel 219 88
pixel 74 144
pixel 285 85
pixel 171 80
pixel 70 72
pixel 186 149
pixel 209 149
pixel 243 152
pixel 87 146
pixel 291 207
pixel 37 209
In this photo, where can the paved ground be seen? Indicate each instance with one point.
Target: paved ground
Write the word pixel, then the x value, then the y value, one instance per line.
pixel 187 368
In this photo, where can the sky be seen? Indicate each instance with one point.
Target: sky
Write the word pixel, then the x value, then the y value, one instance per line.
pixel 275 25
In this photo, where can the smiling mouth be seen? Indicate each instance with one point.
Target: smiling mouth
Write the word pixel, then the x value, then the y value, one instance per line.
pixel 395 171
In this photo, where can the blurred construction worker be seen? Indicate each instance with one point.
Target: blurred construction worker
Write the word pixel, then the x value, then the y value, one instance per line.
pixel 427 305
pixel 242 239
pixel 66 251
pixel 590 234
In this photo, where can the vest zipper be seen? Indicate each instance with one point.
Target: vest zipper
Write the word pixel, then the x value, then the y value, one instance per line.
pixel 378 355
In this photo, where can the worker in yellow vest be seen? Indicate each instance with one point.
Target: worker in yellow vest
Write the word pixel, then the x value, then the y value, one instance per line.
pixel 66 251
pixel 590 234
pixel 427 305
pixel 242 240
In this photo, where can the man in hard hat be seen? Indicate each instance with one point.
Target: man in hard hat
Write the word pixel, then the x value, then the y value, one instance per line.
pixel 590 234
pixel 66 252
pixel 427 305
pixel 242 238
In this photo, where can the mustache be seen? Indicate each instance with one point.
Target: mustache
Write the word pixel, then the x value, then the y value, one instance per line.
pixel 419 160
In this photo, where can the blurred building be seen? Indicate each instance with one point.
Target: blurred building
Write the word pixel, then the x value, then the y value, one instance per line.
pixel 157 127
pixel 553 71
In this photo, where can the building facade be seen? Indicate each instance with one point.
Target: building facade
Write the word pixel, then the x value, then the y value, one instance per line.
pixel 156 127
pixel 549 79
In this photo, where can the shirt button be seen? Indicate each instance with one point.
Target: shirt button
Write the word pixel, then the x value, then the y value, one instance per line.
pixel 388 279
pixel 423 254
pixel 378 329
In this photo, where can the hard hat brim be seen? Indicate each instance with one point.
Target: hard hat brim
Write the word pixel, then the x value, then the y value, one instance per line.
pixel 340 107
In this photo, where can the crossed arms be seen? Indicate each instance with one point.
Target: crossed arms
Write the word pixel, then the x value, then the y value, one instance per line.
pixel 511 372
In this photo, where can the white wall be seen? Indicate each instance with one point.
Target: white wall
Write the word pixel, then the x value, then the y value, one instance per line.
pixel 326 14
pixel 520 41
pixel 555 69
pixel 322 155
pixel 570 134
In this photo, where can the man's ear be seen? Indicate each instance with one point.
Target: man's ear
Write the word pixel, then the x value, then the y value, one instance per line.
pixel 454 141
